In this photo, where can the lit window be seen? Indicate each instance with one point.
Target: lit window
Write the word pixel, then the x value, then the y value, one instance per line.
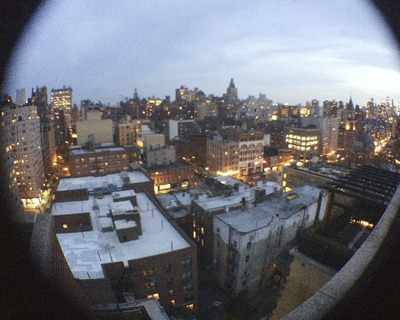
pixel 190 306
pixel 154 295
pixel 65 226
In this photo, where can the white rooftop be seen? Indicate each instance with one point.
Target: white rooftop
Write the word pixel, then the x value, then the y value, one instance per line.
pixel 215 203
pixel 75 150
pixel 85 252
pixel 231 181
pixel 123 194
pixel 124 224
pixel 254 217
pixel 121 207
pixel 92 182
pixel 171 203
pixel 210 204
pixel 185 198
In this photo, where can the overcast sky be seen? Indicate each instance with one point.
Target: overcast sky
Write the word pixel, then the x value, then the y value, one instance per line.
pixel 291 50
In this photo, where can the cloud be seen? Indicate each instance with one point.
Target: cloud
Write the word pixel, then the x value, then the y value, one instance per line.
pixel 303 48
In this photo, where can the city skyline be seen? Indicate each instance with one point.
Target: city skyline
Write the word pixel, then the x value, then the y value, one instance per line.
pixel 292 52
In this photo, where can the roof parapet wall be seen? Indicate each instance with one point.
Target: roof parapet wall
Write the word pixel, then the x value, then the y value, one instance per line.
pixel 326 298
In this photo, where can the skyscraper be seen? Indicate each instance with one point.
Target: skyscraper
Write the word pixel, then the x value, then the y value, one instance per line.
pixel 21 97
pixel 231 92
pixel 62 99
pixel 39 99
pixel 21 126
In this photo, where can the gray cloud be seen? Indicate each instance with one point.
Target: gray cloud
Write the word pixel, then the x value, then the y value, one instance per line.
pixel 291 50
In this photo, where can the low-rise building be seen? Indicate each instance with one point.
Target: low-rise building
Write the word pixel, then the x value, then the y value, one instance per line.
pixel 204 208
pixel 311 173
pixel 247 240
pixel 100 159
pixel 177 205
pixel 117 240
pixel 175 175
pixel 159 155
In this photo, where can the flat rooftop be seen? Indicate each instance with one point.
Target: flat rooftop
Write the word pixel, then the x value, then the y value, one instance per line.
pixel 80 150
pixel 175 165
pixel 91 182
pixel 215 203
pixel 173 205
pixel 260 216
pixel 85 252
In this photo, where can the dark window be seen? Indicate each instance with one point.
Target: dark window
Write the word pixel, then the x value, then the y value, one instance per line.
pixel 147 272
pixel 150 285
pixel 187 263
pixel 186 276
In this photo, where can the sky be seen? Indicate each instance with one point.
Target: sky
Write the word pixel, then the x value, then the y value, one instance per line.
pixel 292 51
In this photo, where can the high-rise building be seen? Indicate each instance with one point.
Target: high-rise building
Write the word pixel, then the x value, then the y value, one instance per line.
pixel 21 97
pixel 94 126
pixel 181 129
pixel 205 108
pixel 329 132
pixel 347 128
pixel 236 152
pixel 128 130
pixel 9 188
pixel 304 142
pixel 21 126
pixel 231 92
pixel 40 99
pixel 222 156
pixel 62 99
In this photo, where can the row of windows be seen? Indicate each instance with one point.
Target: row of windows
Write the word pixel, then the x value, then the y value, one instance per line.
pixel 303 143
pixel 149 272
pixel 290 146
pixel 304 138
pixel 101 158
pixel 187 287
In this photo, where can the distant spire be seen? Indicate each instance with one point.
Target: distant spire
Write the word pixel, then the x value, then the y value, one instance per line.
pixel 231 84
pixel 350 105
pixel 135 95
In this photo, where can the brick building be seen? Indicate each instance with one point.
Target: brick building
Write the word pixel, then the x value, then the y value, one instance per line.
pixel 246 241
pixel 175 175
pixel 91 160
pixel 236 152
pixel 117 240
